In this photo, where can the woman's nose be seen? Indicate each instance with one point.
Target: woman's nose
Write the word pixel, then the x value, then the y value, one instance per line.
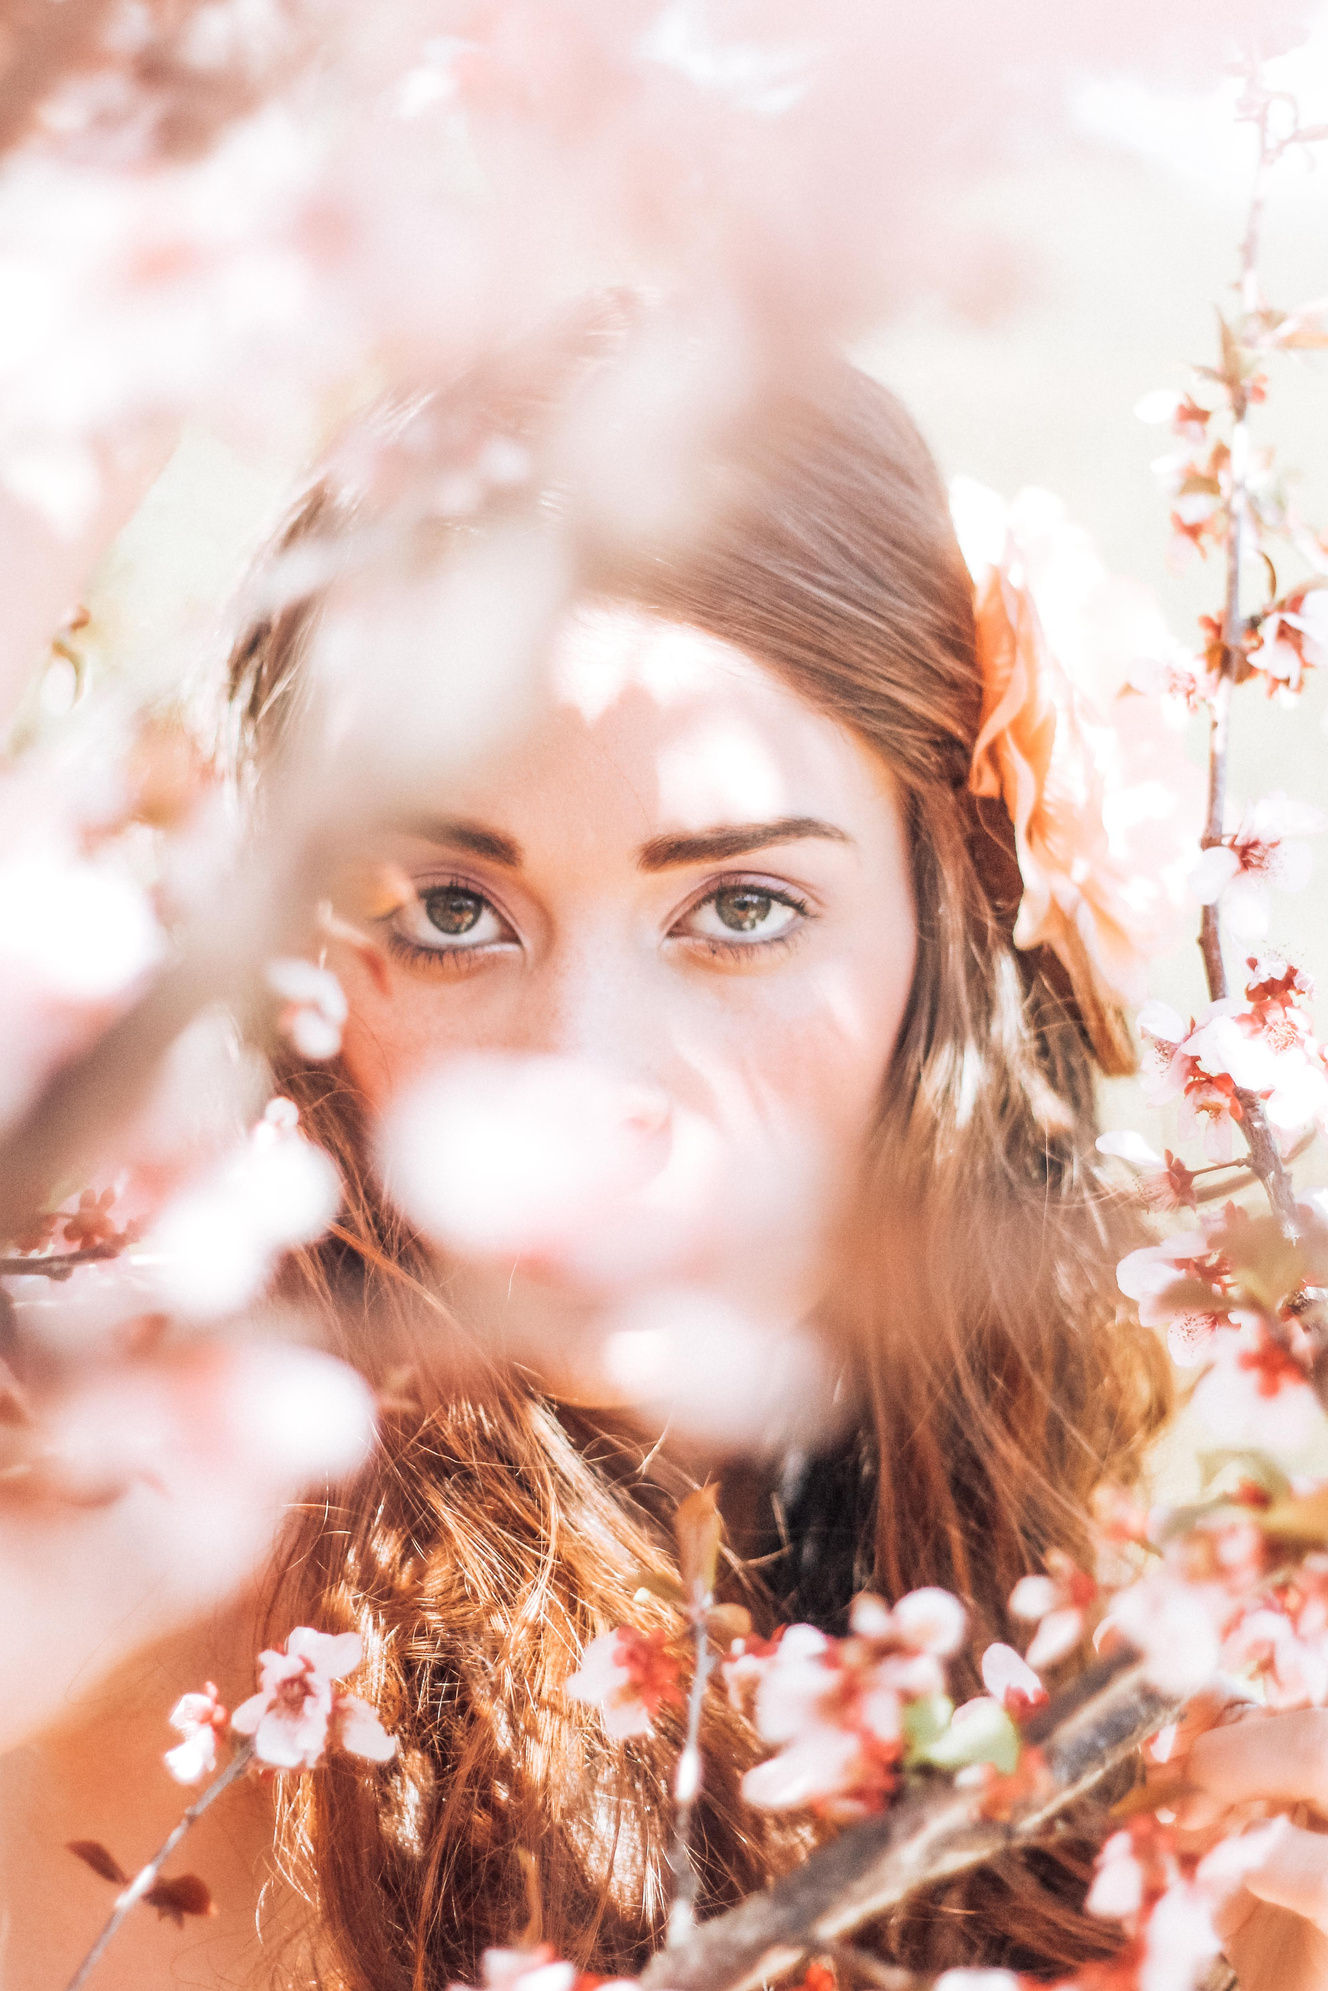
pixel 524 1156
pixel 596 1004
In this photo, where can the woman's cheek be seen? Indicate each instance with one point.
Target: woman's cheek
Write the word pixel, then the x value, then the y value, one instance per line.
pixel 399 1027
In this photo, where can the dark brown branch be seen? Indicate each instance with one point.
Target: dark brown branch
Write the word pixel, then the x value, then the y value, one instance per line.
pixel 928 1837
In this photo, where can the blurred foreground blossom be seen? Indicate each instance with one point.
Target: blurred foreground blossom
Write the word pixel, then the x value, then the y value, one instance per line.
pixel 626 1200
pixel 79 933
pixel 522 1156
pixel 313 1006
pixel 213 1246
pixel 1058 1605
pixel 1012 1681
pixel 297 1714
pixel 686 1358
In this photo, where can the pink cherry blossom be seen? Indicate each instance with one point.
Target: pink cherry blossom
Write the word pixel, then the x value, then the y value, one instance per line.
pixel 1205 1064
pixel 1264 852
pixel 200 1719
pixel 1294 1080
pixel 1187 418
pixel 931 1620
pixel 538 1968
pixel 1119 1880
pixel 1168 1901
pixel 1287 1654
pixel 1292 640
pixel 1175 1624
pixel 1146 1275
pixel 627 1675
pixel 1180 1939
pixel 834 1709
pixel 313 1006
pixel 1012 1681
pixel 1181 1616
pixel 1057 1604
pixel 297 1714
pixel 1180 682
pixel 1165 1183
pixel 1281 1640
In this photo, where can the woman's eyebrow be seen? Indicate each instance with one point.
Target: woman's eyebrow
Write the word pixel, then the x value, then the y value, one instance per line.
pixel 733 840
pixel 461 834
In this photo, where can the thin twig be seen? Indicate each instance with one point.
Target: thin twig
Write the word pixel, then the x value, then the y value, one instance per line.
pixel 59 1264
pixel 146 1879
pixel 686 1785
pixel 1264 1156
pixel 930 1836
pixel 1240 1174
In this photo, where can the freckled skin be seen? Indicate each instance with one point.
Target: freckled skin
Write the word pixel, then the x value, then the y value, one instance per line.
pixel 757 993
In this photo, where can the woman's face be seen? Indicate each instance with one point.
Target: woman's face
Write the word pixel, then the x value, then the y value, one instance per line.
pixel 689 888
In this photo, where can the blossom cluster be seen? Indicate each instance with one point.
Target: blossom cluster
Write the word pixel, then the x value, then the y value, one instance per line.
pixel 294 1719
pixel 845 1717
pixel 1261 1044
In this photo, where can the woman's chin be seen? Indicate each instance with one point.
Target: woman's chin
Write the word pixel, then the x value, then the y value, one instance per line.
pixel 721 1374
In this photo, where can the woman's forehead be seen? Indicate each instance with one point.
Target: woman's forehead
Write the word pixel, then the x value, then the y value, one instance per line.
pixel 608 651
pixel 678 727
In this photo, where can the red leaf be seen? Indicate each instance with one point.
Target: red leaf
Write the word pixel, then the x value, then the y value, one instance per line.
pixel 185 1895
pixel 93 1854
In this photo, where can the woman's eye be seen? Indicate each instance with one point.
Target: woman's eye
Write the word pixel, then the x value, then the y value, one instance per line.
pixel 742 914
pixel 450 918
pixel 453 912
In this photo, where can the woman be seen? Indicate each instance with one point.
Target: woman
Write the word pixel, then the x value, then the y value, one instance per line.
pixel 734 878
pixel 739 844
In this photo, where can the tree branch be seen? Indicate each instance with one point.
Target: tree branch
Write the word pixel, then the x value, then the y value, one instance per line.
pixel 1264 1156
pixel 932 1834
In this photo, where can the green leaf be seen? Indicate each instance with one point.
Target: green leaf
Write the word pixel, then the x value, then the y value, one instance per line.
pixel 1249 1464
pixel 983 1733
pixel 925 1723
pixel 659 1585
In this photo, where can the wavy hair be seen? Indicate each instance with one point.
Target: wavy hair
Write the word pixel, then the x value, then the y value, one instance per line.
pixel 997 1383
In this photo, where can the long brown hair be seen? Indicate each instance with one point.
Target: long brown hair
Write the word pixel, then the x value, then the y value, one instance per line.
pixel 496 1532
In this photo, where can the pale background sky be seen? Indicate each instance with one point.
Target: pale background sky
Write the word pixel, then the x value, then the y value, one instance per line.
pixel 1131 232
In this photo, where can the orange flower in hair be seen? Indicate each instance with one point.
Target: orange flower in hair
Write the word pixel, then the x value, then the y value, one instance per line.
pixel 1053 762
